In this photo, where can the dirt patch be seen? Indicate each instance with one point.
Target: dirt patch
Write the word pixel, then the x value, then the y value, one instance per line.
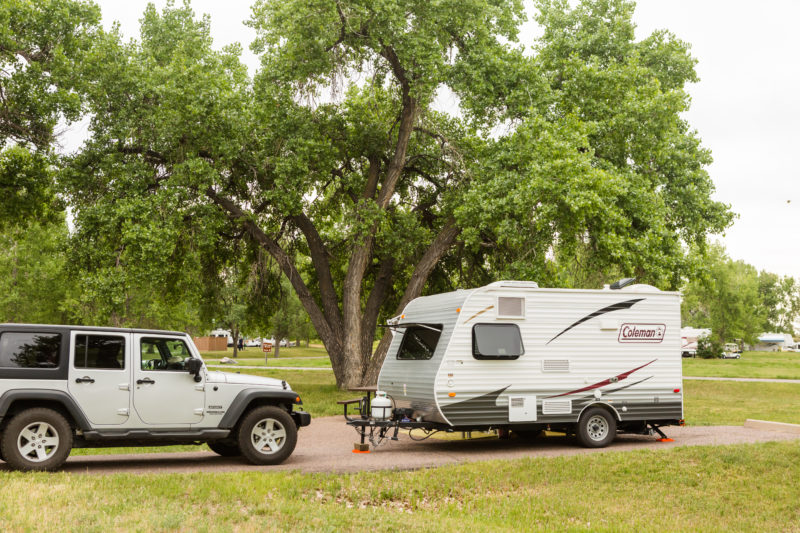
pixel 326 446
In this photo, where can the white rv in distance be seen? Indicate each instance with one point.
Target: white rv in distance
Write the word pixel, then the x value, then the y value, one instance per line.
pixel 513 356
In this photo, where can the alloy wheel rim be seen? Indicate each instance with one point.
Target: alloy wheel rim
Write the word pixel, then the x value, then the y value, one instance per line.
pixel 37 442
pixel 268 436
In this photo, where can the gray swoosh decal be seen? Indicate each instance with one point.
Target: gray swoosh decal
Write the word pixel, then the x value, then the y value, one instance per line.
pixel 614 307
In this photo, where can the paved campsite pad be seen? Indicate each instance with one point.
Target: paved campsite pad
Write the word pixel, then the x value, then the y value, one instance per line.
pixel 326 446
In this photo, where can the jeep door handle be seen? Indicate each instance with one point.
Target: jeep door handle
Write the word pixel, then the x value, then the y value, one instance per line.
pixel 145 381
pixel 84 379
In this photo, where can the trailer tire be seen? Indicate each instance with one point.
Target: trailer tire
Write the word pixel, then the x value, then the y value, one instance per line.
pixel 597 427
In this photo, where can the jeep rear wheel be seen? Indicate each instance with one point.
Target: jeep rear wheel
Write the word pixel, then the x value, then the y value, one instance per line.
pixel 267 436
pixel 225 449
pixel 36 439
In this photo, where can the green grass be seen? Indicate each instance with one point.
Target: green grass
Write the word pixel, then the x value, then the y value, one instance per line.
pixel 707 488
pixel 311 362
pixel 775 365
pixel 258 355
pixel 732 402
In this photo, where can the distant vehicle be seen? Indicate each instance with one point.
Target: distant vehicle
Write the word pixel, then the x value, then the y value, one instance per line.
pixel 250 343
pixel 731 351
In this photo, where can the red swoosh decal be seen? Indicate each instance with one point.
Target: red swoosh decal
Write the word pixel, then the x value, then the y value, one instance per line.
pixel 605 382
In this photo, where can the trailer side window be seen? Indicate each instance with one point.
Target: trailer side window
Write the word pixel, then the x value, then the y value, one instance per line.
pixel 419 342
pixel 496 341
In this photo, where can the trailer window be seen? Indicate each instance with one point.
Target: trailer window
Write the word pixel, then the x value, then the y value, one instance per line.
pixel 496 341
pixel 419 342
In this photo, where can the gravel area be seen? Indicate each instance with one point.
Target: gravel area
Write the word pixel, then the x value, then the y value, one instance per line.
pixel 326 446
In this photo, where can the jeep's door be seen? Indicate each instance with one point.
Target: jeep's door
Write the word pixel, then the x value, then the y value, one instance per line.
pixel 164 392
pixel 99 375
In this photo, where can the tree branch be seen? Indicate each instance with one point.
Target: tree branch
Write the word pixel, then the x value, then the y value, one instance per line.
pixel 319 257
pixel 287 266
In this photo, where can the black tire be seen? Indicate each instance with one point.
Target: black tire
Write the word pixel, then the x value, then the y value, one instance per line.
pixel 32 425
pixel 596 428
pixel 224 448
pixel 267 436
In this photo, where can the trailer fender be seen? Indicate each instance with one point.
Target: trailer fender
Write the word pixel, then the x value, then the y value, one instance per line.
pixel 607 406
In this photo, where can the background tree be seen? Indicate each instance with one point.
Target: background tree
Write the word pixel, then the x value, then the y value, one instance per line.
pixel 42 44
pixel 780 302
pixel 725 298
pixel 34 286
pixel 335 161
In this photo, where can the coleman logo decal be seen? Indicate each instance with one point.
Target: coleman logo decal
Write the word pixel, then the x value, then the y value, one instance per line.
pixel 641 333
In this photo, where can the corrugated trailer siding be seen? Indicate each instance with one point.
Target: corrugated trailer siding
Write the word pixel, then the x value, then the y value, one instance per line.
pixel 594 355
pixel 411 383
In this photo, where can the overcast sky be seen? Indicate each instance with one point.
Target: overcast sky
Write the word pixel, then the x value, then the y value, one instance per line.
pixel 746 106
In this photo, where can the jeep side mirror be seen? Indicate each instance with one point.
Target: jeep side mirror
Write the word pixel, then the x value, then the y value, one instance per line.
pixel 194 365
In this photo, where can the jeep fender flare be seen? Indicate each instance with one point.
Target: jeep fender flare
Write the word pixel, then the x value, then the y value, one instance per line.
pixel 243 400
pixel 56 396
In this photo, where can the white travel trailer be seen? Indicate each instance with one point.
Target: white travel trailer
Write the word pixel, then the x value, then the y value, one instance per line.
pixel 513 356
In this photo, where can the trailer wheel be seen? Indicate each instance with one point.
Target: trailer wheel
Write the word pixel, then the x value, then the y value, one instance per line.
pixel 596 428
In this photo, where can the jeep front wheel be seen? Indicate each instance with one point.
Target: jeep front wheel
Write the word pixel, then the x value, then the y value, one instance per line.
pixel 36 439
pixel 267 436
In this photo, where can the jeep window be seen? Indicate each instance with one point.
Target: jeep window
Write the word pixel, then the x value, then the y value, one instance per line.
pixel 419 342
pixel 164 354
pixel 496 341
pixel 29 349
pixel 99 351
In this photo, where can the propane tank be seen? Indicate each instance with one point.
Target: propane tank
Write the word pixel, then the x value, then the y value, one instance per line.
pixel 381 406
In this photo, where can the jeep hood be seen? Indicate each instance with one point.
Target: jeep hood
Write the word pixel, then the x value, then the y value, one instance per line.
pixel 244 379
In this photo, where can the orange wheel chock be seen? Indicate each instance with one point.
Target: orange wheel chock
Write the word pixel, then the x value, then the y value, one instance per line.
pixel 666 440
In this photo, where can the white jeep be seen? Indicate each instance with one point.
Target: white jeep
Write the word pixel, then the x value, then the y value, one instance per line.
pixel 64 387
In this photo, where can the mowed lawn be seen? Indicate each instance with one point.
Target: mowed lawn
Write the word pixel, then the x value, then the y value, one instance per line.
pixel 707 488
pixel 774 365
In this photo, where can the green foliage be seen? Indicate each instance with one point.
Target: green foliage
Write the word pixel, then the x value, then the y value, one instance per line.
pixel 42 44
pixel 561 166
pixel 736 301
pixel 27 188
pixel 709 348
pixel 33 279
pixel 780 302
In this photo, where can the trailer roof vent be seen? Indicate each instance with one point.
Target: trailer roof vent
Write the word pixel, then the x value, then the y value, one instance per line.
pixel 510 307
pixel 515 283
pixel 624 282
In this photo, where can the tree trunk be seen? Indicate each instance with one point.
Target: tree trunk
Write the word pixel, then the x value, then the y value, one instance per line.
pixel 235 336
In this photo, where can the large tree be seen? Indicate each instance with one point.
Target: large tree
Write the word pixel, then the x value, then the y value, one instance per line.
pixel 336 161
